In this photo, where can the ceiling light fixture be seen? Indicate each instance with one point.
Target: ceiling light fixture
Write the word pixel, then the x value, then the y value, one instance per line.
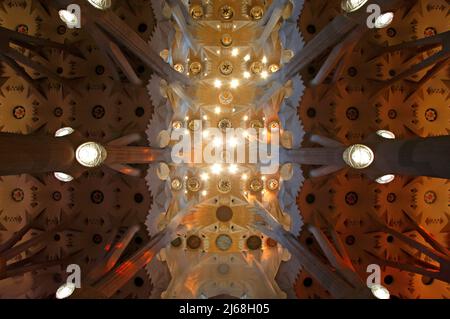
pixel 386 179
pixel 386 134
pixel 63 177
pixel 64 131
pixel 352 5
pixel 90 154
pixel 358 156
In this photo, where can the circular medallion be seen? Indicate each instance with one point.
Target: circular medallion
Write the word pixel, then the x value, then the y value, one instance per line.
pixel 274 68
pixel 194 242
pixel 19 112
pixel 351 198
pixel 431 115
pixel 256 124
pixel 226 67
pixel 224 213
pixel 224 124
pixel 98 112
pixel 256 13
pixel 195 68
pixel 223 242
pixel 256 185
pixel 193 184
pixel 257 67
pixel 430 197
pixel 179 67
pixel 194 125
pixel 176 242
pixel 18 195
pixel 224 185
pixel 254 242
pixel 176 184
pixel 273 184
pixel 274 126
pixel 177 125
pixel 352 113
pixel 223 269
pixel 226 12
pixel 226 40
pixel 226 98
pixel 197 12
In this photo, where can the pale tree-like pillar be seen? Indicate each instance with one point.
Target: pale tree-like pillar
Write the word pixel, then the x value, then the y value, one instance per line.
pixel 328 157
pixel 118 33
pixel 120 155
pixel 436 252
pixel 344 31
pixel 273 15
pixel 338 283
pixel 179 17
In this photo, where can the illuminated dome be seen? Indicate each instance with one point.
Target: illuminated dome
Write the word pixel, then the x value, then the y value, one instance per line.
pixel 65 291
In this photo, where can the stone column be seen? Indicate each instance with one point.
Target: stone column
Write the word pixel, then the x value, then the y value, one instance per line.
pixel 412 157
pixel 32 154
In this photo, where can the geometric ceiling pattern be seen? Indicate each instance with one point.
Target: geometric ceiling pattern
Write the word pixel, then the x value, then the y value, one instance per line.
pixel 77 220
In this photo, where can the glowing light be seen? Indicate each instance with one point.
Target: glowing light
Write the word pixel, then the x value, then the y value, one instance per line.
pixel 63 177
pixel 204 177
pixel 380 292
pixel 205 117
pixel 233 142
pixel 247 75
pixel 217 110
pixel 217 142
pixel 386 134
pixel 235 52
pixel 65 291
pixel 352 5
pixel 358 156
pixel 234 83
pixel 101 4
pixel 386 179
pixel 264 60
pixel 384 20
pixel 218 84
pixel 216 169
pixel 64 131
pixel 264 74
pixel 205 133
pixel 245 118
pixel 90 154
pixel 233 169
pixel 247 58
pixel 204 193
pixel 70 19
pixel 244 177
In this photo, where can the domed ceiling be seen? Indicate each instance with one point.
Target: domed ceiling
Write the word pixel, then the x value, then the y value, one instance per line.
pixel 140 72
